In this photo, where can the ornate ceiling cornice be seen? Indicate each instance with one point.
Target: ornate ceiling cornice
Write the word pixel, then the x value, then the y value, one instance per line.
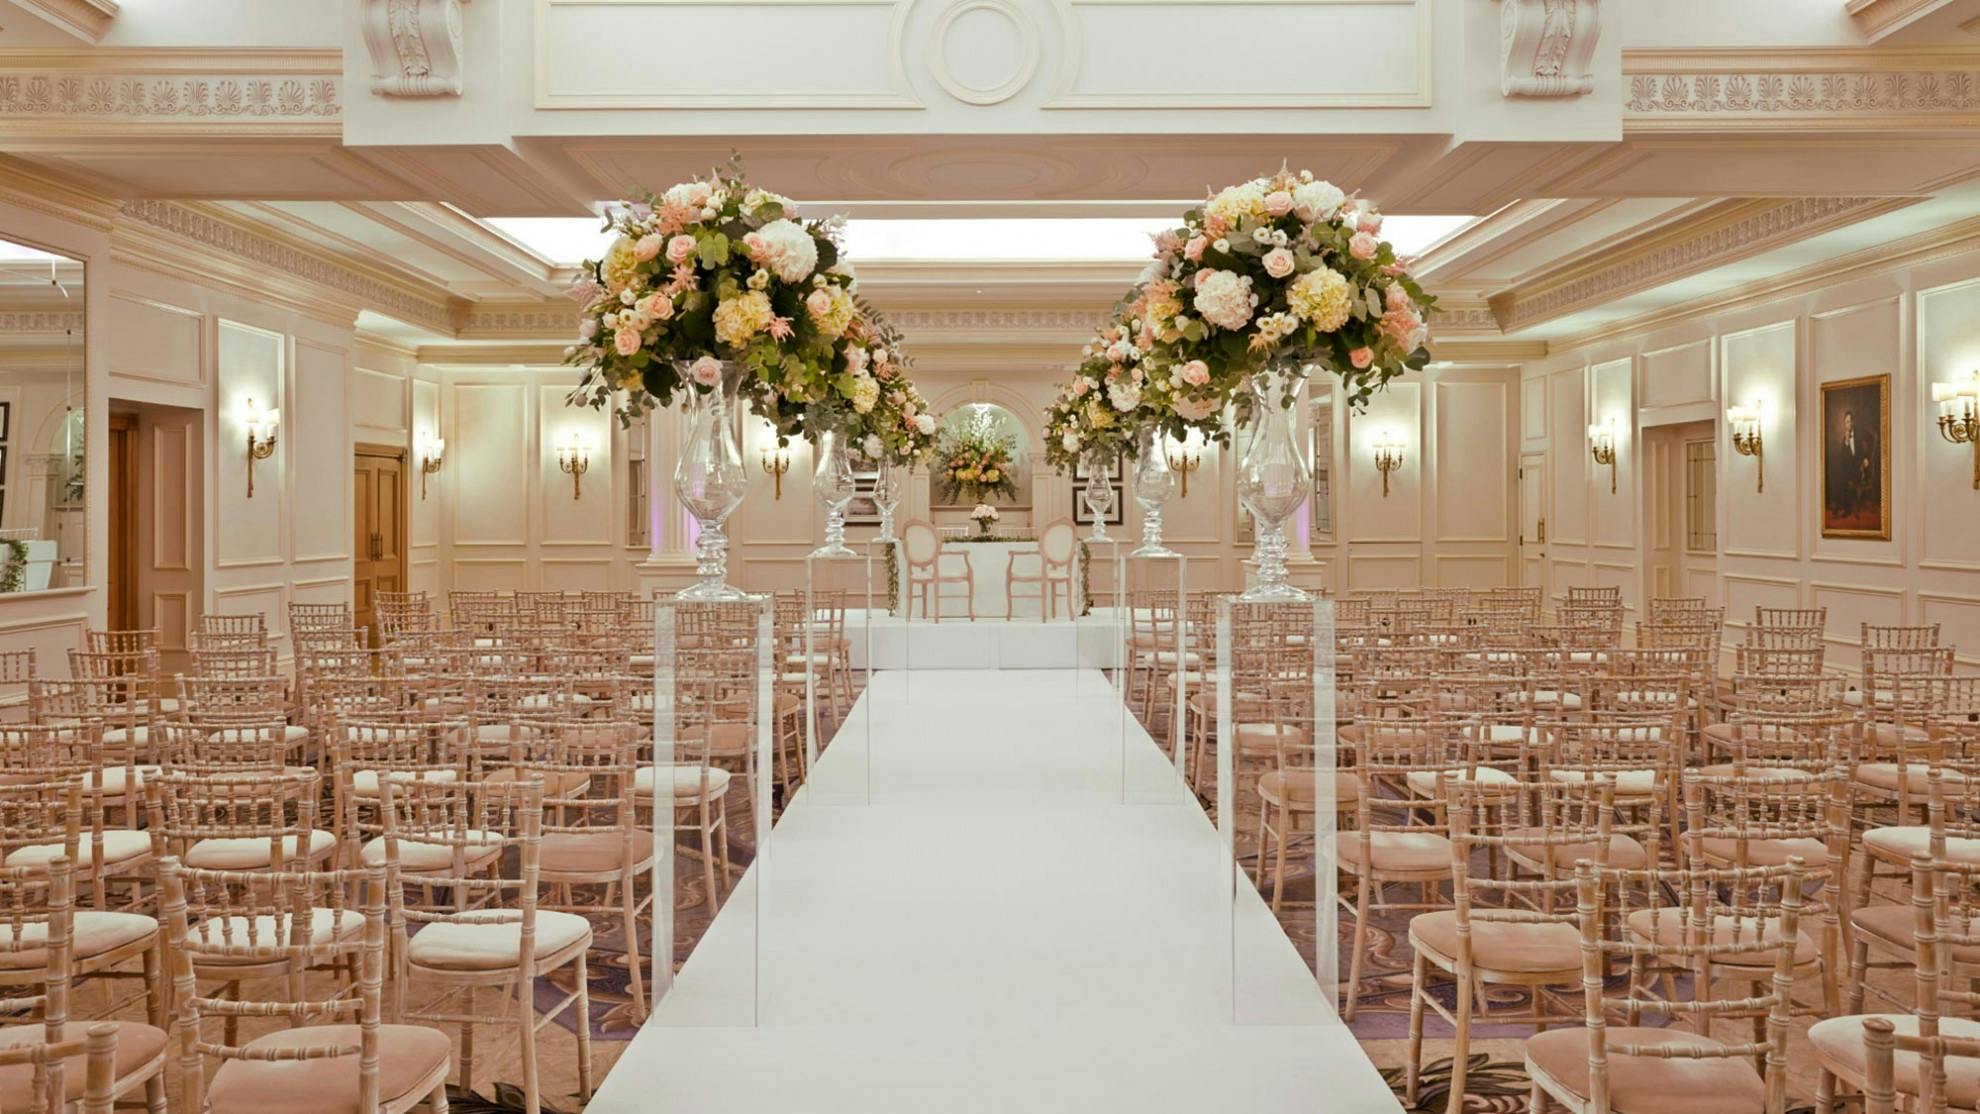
pixel 1727 232
pixel 36 321
pixel 170 90
pixel 556 320
pixel 1463 317
pixel 85 19
pixel 257 260
pixel 1808 88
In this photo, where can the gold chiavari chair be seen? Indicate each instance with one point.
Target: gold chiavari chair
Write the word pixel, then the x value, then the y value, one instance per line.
pixel 1951 834
pixel 40 938
pixel 1504 931
pixel 490 934
pixel 239 821
pixel 1945 941
pixel 1606 1067
pixel 336 1048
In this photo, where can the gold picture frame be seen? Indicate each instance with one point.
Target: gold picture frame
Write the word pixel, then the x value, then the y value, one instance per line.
pixel 1851 471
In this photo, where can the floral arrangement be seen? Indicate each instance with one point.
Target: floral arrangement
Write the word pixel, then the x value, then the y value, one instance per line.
pixel 711 270
pixel 984 515
pixel 1285 264
pixel 975 462
pixel 15 575
pixel 1111 395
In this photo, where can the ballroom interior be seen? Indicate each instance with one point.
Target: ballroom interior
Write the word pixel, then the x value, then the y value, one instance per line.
pixel 1566 697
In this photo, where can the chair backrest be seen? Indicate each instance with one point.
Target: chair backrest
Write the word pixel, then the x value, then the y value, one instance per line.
pixel 1058 541
pixel 253 623
pixel 919 542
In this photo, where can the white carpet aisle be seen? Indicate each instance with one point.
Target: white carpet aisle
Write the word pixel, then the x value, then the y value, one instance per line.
pixel 994 933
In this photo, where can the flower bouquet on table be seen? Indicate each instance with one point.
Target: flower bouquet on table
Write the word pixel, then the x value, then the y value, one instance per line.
pixel 985 516
pixel 975 462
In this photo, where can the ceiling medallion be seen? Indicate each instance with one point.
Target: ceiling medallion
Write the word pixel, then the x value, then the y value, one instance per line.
pixel 982 52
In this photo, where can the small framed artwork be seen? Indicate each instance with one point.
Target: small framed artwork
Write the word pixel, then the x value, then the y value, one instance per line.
pixel 1116 480
pixel 864 510
pixel 1322 431
pixel 1856 458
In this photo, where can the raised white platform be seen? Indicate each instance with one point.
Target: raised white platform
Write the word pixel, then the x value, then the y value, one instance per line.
pixel 1090 642
pixel 995 932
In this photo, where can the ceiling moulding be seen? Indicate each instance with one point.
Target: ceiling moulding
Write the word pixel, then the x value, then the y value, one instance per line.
pixel 1878 18
pixel 85 19
pixel 1807 88
pixel 156 91
pixel 1463 317
pixel 1545 47
pixel 415 47
pixel 1726 232
pixel 1948 242
pixel 32 187
pixel 519 355
pixel 556 320
pixel 1465 350
pixel 158 232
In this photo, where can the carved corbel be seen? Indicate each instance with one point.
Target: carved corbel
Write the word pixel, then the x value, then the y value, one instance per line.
pixel 1546 47
pixel 415 47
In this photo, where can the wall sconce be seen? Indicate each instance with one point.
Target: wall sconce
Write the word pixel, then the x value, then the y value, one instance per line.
pixel 1745 422
pixel 431 452
pixel 1959 416
pixel 1602 445
pixel 261 429
pixel 776 460
pixel 1186 456
pixel 573 458
pixel 1388 458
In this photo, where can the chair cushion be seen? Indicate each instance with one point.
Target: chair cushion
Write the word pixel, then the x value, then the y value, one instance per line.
pixel 292 734
pixel 472 945
pixel 556 783
pixel 138 1046
pixel 417 855
pixel 364 783
pixel 409 1056
pixel 1503 945
pixel 1405 852
pixel 1301 790
pixel 686 779
pixel 1895 926
pixel 1423 783
pixel 593 852
pixel 1628 783
pixel 1907 842
pixel 1917 777
pixel 326 926
pixel 141 734
pixel 250 852
pixel 1719 850
pixel 1624 852
pixel 111 779
pixel 1838 1044
pixel 1726 929
pixel 92 933
pixel 1758 773
pixel 1558 1060
pixel 119 846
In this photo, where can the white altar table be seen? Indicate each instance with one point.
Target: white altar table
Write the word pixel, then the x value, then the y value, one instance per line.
pixel 988 561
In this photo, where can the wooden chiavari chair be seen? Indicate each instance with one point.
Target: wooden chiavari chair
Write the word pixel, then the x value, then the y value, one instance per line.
pixel 290 922
pixel 41 944
pixel 714 714
pixel 1883 1044
pixel 1950 834
pixel 239 821
pixel 18 671
pixel 1605 1067
pixel 253 625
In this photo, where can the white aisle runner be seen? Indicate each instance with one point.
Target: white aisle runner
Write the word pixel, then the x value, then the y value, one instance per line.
pixel 995 933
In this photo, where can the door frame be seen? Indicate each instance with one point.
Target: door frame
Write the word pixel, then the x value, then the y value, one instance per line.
pixel 1540 463
pixel 121 595
pixel 396 453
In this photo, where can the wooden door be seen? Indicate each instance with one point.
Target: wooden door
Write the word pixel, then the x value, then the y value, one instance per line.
pixel 1533 522
pixel 379 532
pixel 122 597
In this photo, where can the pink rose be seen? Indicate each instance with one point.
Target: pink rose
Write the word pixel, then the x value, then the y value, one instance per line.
pixel 646 247
pixel 1363 246
pixel 1278 263
pixel 819 303
pixel 1195 373
pixel 753 244
pixel 1080 387
pixel 1278 203
pixel 855 360
pixel 706 371
pixel 680 248
pixel 1193 251
pixel 1396 298
pixel 1371 222
pixel 659 307
pixel 1195 409
pixel 1214 225
pixel 1362 357
pixel 626 341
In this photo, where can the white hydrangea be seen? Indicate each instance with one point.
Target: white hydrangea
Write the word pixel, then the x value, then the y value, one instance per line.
pixel 871 446
pixel 1124 395
pixel 1224 299
pixel 866 393
pixel 788 249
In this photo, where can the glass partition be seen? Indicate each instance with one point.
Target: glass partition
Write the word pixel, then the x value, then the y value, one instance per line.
pixel 1160 678
pixel 846 636
pixel 42 439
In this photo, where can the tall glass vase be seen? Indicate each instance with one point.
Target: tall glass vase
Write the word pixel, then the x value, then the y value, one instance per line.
pixel 1273 478
pixel 888 479
pixel 1154 483
pixel 1099 495
pixel 710 481
pixel 832 483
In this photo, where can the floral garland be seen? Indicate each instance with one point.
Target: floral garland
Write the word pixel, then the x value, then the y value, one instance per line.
pixel 1281 265
pixel 714 270
pixel 15 575
pixel 973 462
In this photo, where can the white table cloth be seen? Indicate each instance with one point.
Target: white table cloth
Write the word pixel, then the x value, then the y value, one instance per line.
pixel 988 562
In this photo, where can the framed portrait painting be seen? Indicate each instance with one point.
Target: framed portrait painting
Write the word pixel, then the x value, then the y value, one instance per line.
pixel 864 510
pixel 1856 458
pixel 1116 480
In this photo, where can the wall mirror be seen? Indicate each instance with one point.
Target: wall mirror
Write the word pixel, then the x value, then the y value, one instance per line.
pixel 42 392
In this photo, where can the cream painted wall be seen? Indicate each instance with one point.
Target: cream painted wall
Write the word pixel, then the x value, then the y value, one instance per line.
pixel 1919 324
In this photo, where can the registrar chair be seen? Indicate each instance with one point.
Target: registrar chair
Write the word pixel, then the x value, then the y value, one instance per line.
pixel 1058 546
pixel 929 566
